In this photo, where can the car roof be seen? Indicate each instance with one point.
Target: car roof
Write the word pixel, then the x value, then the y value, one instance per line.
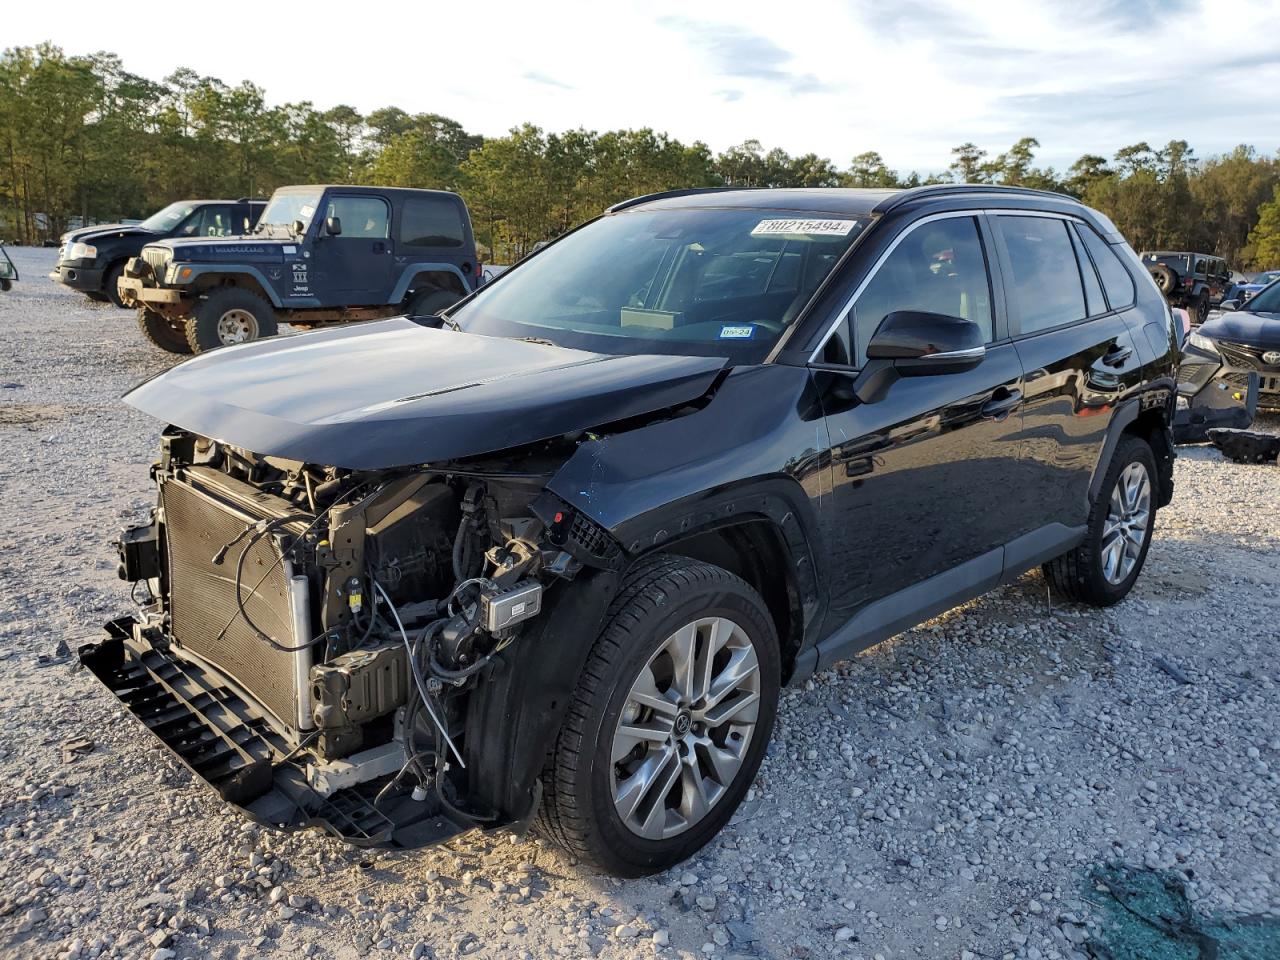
pixel 365 188
pixel 871 202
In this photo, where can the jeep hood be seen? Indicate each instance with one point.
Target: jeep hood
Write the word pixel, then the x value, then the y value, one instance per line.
pixel 1244 326
pixel 395 393
pixel 253 249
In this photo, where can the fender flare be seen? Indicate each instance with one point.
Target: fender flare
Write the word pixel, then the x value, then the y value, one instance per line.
pixel 1161 393
pixel 412 271
pixel 199 270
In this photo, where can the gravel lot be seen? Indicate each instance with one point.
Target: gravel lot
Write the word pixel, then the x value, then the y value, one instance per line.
pixel 945 795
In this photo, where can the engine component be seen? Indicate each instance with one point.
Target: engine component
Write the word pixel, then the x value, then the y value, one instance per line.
pixel 410 538
pixel 358 686
pixel 139 553
pixel 506 608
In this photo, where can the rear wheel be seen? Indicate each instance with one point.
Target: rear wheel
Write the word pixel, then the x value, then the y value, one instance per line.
pixel 1200 309
pixel 110 284
pixel 669 721
pixel 430 301
pixel 227 316
pixel 170 335
pixel 1102 570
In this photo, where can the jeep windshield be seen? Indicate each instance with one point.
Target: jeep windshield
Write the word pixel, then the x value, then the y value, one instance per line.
pixel 286 206
pixel 708 282
pixel 168 218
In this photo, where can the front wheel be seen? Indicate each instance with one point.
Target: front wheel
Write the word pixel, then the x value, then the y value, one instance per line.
pixel 669 722
pixel 111 285
pixel 162 332
pixel 1201 308
pixel 429 301
pixel 227 316
pixel 1103 569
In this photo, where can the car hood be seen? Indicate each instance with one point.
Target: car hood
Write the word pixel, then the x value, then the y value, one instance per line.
pixel 106 231
pixel 395 393
pixel 227 249
pixel 1244 326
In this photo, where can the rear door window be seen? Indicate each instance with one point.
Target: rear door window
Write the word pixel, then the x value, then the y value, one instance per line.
pixel 1093 299
pixel 1044 292
pixel 431 222
pixel 1116 280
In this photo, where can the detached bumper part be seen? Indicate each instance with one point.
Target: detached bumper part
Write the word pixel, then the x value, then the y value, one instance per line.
pixel 230 745
pixel 1209 398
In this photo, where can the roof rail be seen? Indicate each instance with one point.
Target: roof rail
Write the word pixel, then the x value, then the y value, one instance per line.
pixel 664 194
pixel 944 189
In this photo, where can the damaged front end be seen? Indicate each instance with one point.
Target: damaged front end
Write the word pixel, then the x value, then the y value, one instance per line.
pixel 351 649
pixel 1213 392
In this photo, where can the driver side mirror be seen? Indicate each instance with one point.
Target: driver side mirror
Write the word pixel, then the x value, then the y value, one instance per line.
pixel 1229 305
pixel 913 343
pixel 333 226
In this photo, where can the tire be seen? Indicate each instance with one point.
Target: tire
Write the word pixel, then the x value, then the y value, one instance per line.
pixel 97 296
pixel 110 288
pixel 1165 277
pixel 430 301
pixel 1083 574
pixel 227 316
pixel 662 600
pixel 1200 309
pixel 170 335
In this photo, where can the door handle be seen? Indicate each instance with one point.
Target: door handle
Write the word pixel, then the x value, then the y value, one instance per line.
pixel 1001 404
pixel 1117 355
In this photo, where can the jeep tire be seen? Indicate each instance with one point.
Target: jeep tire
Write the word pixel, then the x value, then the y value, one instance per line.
pixel 170 335
pixel 229 315
pixel 1200 308
pixel 1102 570
pixel 658 749
pixel 429 301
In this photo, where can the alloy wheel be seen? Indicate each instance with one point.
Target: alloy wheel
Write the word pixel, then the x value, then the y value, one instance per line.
pixel 1125 532
pixel 685 727
pixel 237 326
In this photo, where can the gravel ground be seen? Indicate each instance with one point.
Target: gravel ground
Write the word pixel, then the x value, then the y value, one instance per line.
pixel 944 795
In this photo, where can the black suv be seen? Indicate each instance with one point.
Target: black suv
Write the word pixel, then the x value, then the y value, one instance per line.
pixel 553 553
pixel 319 255
pixel 92 259
pixel 1195 281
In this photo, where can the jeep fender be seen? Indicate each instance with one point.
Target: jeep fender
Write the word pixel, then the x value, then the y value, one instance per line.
pixel 226 269
pixel 414 270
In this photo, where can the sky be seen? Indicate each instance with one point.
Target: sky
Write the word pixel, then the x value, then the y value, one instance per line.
pixel 908 78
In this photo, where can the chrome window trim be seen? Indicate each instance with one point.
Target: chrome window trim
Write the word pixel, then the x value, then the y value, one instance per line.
pixel 875 269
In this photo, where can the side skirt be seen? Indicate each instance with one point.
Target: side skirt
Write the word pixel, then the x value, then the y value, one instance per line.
pixel 889 616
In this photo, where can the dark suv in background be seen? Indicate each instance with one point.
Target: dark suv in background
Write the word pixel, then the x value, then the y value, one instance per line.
pixel 92 259
pixel 552 553
pixel 1194 281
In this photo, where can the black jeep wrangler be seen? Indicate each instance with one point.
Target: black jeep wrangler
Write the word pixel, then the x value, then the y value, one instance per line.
pixel 552 553
pixel 319 255
pixel 92 259
pixel 1196 281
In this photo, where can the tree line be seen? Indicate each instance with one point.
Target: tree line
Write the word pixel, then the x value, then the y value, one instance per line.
pixel 81 137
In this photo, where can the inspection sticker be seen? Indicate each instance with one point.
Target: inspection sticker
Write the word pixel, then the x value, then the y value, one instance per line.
pixel 744 332
pixel 808 227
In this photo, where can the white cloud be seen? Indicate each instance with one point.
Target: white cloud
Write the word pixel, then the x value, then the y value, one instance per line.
pixel 910 79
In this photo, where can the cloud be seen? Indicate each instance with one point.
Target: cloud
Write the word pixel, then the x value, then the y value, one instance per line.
pixel 734 52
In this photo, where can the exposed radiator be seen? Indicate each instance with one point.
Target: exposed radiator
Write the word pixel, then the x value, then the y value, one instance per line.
pixel 202 601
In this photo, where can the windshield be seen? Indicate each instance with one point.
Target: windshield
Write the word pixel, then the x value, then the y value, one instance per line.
pixel 706 282
pixel 1265 278
pixel 169 217
pixel 1266 300
pixel 287 206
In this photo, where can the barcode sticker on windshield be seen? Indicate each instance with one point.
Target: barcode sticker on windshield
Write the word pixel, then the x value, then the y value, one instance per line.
pixel 805 227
